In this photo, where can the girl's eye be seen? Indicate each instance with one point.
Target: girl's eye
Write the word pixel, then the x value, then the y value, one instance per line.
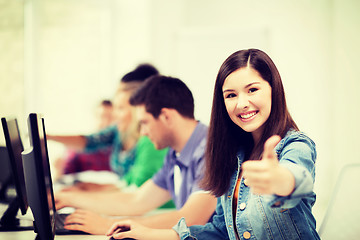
pixel 251 90
pixel 230 95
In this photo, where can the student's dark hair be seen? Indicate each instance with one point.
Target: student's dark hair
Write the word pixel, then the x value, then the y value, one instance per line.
pixel 159 92
pixel 225 137
pixel 140 73
pixel 106 102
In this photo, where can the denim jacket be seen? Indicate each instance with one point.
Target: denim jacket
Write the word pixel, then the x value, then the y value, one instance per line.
pixel 267 216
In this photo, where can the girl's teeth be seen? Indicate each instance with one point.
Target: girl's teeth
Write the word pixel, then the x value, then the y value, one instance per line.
pixel 249 115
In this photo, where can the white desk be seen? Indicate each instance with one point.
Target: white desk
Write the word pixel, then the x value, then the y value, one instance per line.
pixel 30 235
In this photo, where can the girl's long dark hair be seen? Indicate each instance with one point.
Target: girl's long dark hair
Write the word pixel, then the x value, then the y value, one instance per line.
pixel 225 138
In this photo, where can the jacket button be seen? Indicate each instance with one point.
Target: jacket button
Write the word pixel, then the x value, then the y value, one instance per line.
pixel 246 235
pixel 245 182
pixel 242 206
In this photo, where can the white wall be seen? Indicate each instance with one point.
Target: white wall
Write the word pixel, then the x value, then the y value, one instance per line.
pixel 11 60
pixel 296 34
pixel 346 85
pixel 76 51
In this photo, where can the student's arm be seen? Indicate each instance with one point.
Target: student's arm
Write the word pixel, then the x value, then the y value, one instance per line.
pixel 197 210
pixel 76 142
pixel 92 142
pixel 216 229
pixel 148 197
pixel 288 180
pixel 137 231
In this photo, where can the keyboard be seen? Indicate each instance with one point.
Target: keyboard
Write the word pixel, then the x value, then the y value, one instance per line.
pixel 59 226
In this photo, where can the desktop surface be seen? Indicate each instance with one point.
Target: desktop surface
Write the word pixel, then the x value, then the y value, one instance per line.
pixel 30 235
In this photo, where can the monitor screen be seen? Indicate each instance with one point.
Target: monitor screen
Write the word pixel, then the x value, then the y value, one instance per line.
pixel 38 179
pixel 14 148
pixel 6 178
pixel 47 171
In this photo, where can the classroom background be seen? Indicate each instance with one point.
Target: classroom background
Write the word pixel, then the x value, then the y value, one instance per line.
pixel 60 58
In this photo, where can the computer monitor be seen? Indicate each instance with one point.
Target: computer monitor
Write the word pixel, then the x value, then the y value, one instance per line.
pixel 9 220
pixel 7 188
pixel 38 180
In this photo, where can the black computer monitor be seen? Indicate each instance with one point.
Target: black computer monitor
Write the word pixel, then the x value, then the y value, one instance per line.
pixel 7 188
pixel 38 180
pixel 14 146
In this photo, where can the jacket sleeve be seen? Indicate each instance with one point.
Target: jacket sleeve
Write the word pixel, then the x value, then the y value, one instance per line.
pixel 216 229
pixel 298 155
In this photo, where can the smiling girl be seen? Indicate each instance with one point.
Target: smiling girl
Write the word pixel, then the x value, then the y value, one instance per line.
pixel 258 163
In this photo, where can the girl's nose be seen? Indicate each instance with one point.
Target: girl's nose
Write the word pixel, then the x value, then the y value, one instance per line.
pixel 243 102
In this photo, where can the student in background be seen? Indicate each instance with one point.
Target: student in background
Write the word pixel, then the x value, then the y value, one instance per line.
pixel 134 159
pixel 104 114
pixel 258 163
pixel 75 162
pixel 166 113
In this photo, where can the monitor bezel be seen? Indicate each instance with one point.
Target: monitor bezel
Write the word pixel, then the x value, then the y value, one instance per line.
pixel 16 161
pixel 37 172
pixel 9 220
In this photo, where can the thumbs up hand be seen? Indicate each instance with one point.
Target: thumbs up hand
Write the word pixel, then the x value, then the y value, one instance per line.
pixel 267 176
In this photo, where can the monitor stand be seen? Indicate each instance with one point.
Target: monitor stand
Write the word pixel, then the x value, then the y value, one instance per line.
pixel 9 222
pixel 4 188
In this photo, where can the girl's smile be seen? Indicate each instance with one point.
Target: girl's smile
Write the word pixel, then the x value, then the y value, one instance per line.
pixel 248 116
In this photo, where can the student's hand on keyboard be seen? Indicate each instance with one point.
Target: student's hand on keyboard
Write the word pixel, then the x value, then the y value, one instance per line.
pixel 127 229
pixel 86 221
pixel 64 199
pixel 130 230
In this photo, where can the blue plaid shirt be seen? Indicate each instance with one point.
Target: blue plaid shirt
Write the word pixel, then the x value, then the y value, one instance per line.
pixel 120 163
